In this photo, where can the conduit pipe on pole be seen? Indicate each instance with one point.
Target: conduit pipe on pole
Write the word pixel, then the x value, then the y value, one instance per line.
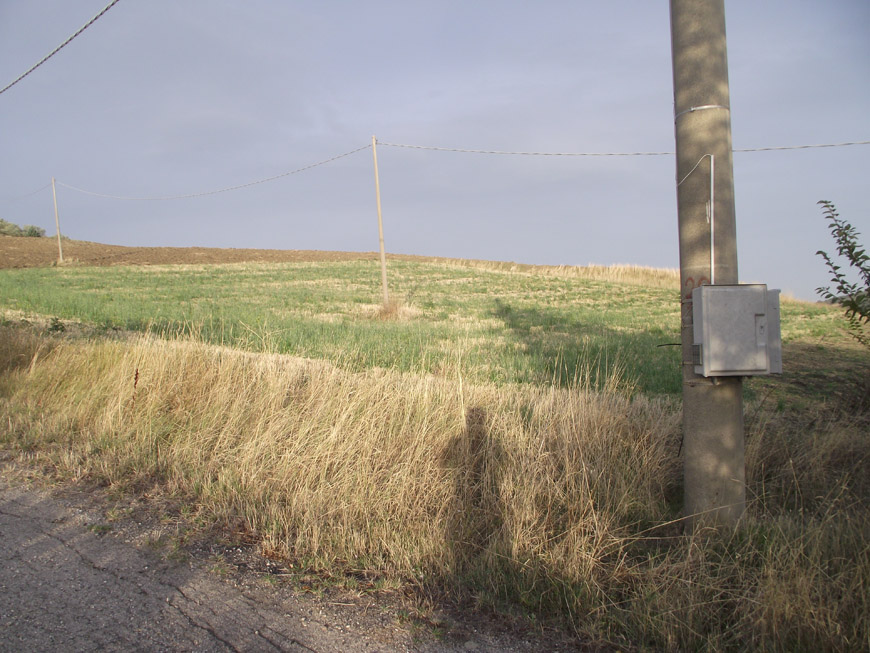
pixel 713 439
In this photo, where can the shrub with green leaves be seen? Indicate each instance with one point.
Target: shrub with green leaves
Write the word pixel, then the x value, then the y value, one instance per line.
pixel 854 296
pixel 12 229
pixel 32 231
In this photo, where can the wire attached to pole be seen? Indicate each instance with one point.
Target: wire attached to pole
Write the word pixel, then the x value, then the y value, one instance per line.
pixel 61 46
pixel 219 190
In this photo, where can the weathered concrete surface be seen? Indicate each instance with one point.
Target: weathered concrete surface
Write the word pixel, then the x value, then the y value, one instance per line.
pixel 71 581
pixel 65 587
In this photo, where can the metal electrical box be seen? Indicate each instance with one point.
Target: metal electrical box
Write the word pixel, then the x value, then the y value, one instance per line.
pixel 736 330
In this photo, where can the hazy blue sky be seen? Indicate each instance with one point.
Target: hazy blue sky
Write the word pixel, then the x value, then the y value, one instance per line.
pixel 172 97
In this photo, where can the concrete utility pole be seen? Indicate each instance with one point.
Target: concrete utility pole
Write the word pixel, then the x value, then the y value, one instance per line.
pixel 713 441
pixel 380 225
pixel 57 223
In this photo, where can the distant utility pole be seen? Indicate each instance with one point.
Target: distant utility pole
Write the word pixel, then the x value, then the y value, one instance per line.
pixel 380 225
pixel 713 440
pixel 57 223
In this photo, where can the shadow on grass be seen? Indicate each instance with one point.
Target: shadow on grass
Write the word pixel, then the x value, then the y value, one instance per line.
pixel 562 349
pixel 819 377
pixel 477 514
pixel 480 542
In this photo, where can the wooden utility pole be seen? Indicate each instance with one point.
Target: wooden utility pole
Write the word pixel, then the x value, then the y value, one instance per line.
pixel 380 225
pixel 57 223
pixel 713 439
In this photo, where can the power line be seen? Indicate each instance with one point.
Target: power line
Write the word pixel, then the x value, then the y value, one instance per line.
pixel 802 147
pixel 26 195
pixel 504 152
pixel 430 148
pixel 62 45
pixel 467 151
pixel 220 190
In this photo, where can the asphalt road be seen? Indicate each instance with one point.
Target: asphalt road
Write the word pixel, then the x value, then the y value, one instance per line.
pixel 66 585
pixel 71 582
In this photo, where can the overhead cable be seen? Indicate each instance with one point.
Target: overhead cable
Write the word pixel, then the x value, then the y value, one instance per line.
pixel 26 195
pixel 431 148
pixel 503 152
pixel 220 190
pixel 61 46
pixel 802 147
pixel 754 149
pixel 452 149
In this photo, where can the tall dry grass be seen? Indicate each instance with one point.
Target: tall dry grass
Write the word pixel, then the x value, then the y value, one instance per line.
pixel 557 503
pixel 630 274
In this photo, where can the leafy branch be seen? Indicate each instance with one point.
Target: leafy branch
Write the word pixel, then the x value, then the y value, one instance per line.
pixel 853 296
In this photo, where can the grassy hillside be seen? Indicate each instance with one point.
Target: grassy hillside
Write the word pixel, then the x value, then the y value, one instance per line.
pixel 532 325
pixel 508 437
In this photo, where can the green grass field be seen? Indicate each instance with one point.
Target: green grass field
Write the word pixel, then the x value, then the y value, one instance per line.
pixel 507 326
pixel 509 438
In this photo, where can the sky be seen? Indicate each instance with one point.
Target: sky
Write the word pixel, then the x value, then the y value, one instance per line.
pixel 167 98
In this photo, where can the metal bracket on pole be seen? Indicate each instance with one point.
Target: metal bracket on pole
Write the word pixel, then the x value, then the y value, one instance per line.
pixel 706 106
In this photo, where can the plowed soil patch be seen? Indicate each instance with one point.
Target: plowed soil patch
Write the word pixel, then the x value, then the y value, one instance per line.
pixel 42 252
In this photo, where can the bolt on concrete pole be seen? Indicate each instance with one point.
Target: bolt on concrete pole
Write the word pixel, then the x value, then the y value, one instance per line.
pixel 713 440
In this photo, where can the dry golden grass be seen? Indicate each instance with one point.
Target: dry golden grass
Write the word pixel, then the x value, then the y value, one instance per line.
pixel 552 502
pixel 635 275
